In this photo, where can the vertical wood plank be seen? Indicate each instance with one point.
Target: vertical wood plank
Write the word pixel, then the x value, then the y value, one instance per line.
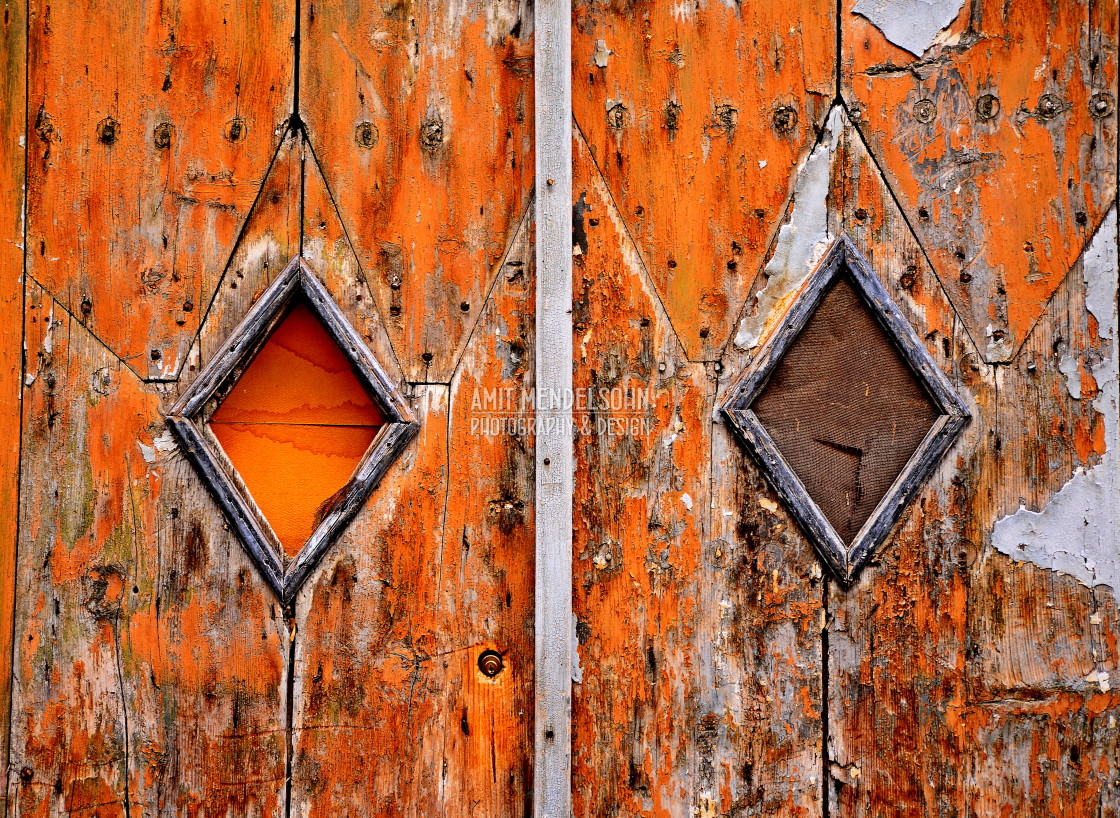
pixel 552 770
pixel 151 127
pixel 13 135
pixel 421 115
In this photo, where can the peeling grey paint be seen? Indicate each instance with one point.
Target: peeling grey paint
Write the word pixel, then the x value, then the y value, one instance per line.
pixel 910 24
pixel 1070 367
pixel 1078 533
pixel 802 239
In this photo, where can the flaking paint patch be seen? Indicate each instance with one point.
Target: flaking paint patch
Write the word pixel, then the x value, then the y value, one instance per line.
pixel 910 24
pixel 802 239
pixel 1078 533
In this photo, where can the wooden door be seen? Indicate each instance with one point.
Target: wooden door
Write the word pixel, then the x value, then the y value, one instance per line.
pixel 968 152
pixel 179 157
pixel 576 581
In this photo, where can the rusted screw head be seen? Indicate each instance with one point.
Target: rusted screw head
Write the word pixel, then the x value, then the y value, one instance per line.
pixel 161 136
pixel 1101 105
pixel 925 111
pixel 431 133
pixel 672 115
pixel 860 214
pixel 490 663
pixel 906 281
pixel 26 774
pixel 727 116
pixel 987 107
pixel 616 116
pixel 1049 106
pixel 107 130
pixel 785 119
pixel 235 129
pixel 366 134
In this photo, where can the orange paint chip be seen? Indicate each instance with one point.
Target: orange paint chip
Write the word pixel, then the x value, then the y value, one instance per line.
pixel 296 425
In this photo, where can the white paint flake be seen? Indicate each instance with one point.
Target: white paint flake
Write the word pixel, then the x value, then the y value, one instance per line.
pixel 910 24
pixel 1078 533
pixel 1071 368
pixel 802 239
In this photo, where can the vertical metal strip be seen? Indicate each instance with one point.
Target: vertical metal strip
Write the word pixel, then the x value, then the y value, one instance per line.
pixel 554 452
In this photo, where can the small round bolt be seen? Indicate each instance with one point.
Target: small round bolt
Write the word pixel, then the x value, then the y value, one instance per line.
pixel 366 134
pixel 860 214
pixel 925 111
pixel 1049 106
pixel 235 129
pixel 987 107
pixel 431 133
pixel 107 130
pixel 161 136
pixel 490 663
pixel 1101 105
pixel 785 119
pixel 616 116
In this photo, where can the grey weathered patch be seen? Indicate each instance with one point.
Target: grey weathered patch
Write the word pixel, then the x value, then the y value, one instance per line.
pixel 802 239
pixel 1078 533
pixel 910 24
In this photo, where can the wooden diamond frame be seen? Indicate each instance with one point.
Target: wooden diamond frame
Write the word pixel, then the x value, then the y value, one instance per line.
pixel 189 420
pixel 846 560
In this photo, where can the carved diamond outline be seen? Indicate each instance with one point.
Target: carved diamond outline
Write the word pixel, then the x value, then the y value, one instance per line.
pixel 189 421
pixel 846 560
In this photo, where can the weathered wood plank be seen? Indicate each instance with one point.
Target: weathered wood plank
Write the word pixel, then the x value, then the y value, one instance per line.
pixel 920 722
pixel 697 115
pixel 998 142
pixel 422 118
pixel 151 127
pixel 697 606
pixel 13 116
pixel 435 569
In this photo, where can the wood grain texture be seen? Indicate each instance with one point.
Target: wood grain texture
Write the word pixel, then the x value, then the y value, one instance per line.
pixel 131 224
pixel 436 569
pixel 422 117
pixel 958 679
pixel 13 82
pixel 1003 198
pixel 697 115
pixel 697 607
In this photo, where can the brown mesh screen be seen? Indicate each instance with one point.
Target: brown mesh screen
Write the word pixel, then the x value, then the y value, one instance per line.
pixel 845 410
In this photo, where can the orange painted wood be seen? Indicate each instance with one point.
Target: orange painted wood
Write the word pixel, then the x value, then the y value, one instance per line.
pixel 1004 204
pixel 696 116
pixel 422 121
pixel 130 222
pixel 13 76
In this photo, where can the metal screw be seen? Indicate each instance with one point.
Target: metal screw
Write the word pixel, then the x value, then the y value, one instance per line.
pixel 366 134
pixel 431 133
pixel 107 130
pixel 490 663
pixel 1101 105
pixel 987 107
pixel 161 136
pixel 727 116
pixel 785 119
pixel 616 116
pixel 235 129
pixel 860 214
pixel 925 111
pixel 1049 106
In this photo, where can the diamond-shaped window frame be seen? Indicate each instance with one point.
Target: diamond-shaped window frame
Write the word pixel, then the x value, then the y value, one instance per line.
pixel 846 560
pixel 189 421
